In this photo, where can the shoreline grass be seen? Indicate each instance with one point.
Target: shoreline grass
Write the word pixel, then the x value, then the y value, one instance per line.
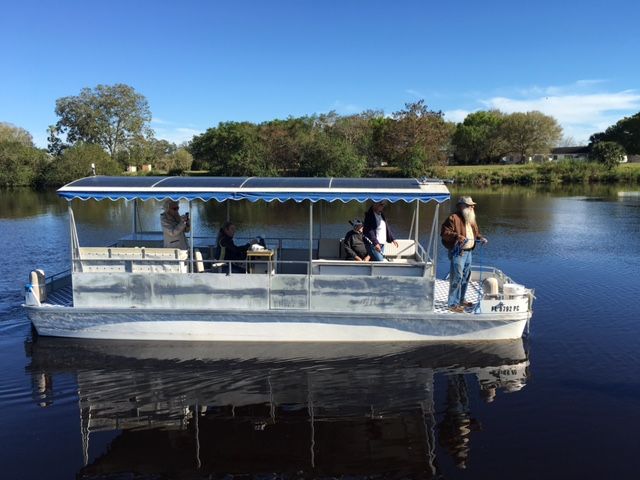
pixel 549 173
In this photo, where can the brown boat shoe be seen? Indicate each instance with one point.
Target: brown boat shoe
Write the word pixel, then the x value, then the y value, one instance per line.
pixel 457 309
pixel 466 304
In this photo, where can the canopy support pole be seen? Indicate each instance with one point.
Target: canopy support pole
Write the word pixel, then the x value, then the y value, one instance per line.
pixel 416 222
pixel 75 243
pixel 433 243
pixel 310 233
pixel 413 220
pixel 191 239
pixel 135 216
pixel 310 264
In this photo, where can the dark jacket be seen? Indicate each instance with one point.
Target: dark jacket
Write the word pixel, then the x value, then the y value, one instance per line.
pixel 354 244
pixel 454 231
pixel 226 249
pixel 370 228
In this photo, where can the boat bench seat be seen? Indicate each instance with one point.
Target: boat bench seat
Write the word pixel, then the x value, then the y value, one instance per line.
pixel 331 249
pixel 132 259
pixel 406 249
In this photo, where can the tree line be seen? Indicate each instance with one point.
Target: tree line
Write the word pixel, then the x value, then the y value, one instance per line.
pixel 109 126
pixel 414 139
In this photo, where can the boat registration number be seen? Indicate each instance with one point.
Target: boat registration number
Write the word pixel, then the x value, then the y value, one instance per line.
pixel 518 305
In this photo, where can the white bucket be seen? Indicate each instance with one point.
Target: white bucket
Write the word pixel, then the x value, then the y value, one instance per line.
pixel 490 287
pixel 39 284
pixel 513 290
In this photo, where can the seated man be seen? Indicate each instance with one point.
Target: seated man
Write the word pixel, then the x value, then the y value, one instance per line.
pixel 226 249
pixel 354 244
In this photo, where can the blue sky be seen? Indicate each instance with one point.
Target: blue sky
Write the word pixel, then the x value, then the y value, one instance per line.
pixel 202 62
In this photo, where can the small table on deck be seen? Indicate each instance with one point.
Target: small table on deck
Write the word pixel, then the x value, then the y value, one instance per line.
pixel 258 257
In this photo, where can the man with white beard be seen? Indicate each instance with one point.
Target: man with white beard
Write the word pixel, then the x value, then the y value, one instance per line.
pixel 459 235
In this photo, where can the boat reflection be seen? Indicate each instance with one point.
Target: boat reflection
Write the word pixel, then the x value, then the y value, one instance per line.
pixel 204 410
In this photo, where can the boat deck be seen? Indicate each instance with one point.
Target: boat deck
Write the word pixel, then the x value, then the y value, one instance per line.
pixel 63 297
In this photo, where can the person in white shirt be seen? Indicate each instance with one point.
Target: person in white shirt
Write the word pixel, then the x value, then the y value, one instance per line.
pixel 377 231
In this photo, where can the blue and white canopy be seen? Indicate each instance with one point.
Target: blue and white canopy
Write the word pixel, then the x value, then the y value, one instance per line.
pixel 253 189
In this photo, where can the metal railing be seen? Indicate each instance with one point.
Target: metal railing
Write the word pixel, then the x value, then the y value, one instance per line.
pixel 300 265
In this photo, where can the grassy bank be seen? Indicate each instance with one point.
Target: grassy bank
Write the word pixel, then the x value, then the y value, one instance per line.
pixel 549 173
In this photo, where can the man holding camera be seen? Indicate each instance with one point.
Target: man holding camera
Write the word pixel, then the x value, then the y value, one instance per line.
pixel 174 226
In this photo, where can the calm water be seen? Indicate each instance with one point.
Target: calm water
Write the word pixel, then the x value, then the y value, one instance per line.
pixel 564 403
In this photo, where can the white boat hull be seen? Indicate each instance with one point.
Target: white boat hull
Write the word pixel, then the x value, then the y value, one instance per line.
pixel 181 325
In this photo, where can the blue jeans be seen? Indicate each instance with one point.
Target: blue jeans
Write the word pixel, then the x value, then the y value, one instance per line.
pixel 459 274
pixel 377 256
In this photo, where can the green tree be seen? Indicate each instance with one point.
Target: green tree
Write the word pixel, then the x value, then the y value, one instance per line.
pixel 231 149
pixel 324 156
pixel 358 130
pixel 75 162
pixel 144 151
pixel 178 162
pixel 20 164
pixel 477 140
pixel 379 151
pixel 282 142
pixel 530 133
pixel 418 140
pixel 55 145
pixel 11 133
pixel 625 132
pixel 414 162
pixel 111 116
pixel 608 153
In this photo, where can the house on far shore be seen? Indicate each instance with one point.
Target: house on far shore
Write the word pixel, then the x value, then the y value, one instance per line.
pixel 575 153
pixel 517 158
pixel 570 153
pixel 147 167
pixel 559 154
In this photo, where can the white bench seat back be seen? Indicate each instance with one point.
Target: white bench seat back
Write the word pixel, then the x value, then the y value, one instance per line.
pixel 406 249
pixel 134 259
pixel 331 249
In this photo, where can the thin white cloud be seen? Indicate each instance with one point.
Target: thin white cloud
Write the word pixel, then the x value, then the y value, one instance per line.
pixel 177 135
pixel 345 108
pixel 590 82
pixel 415 93
pixel 579 86
pixel 159 121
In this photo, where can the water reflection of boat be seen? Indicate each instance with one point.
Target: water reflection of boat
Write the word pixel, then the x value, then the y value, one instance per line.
pixel 333 409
